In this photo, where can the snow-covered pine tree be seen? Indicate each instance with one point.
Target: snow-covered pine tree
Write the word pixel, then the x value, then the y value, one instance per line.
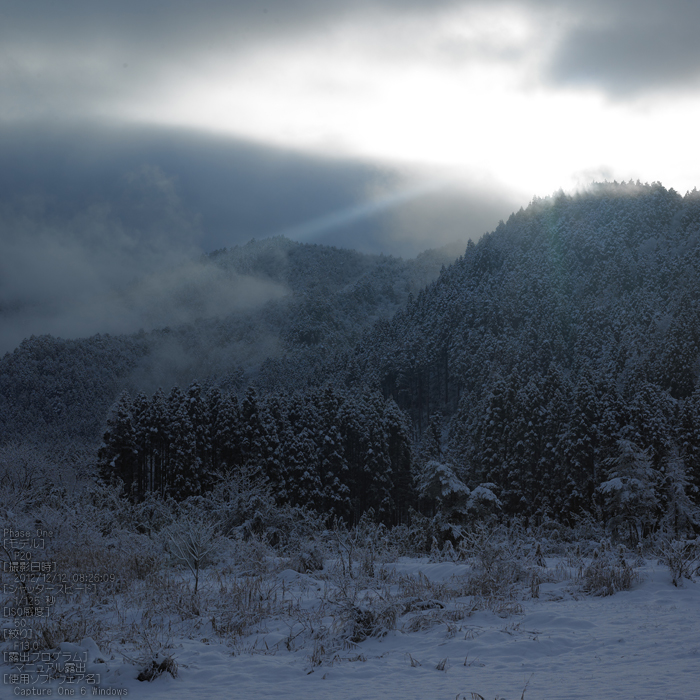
pixel 629 495
pixel 158 420
pixel 333 467
pixel 181 472
pixel 226 433
pixel 118 455
pixel 681 515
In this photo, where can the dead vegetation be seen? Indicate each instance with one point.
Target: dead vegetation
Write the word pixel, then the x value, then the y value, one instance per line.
pixel 163 572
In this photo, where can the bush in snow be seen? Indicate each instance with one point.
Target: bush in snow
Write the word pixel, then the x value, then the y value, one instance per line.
pixel 497 555
pixel 608 573
pixel 408 539
pixel 193 541
pixel 72 626
pixel 440 487
pixel 483 504
pixel 359 622
pixel 308 559
pixel 246 507
pixel 24 474
pixel 158 667
pixel 682 557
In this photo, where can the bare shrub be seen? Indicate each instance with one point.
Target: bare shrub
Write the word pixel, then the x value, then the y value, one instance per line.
pixel 406 540
pixel 241 602
pixel 245 505
pixel 25 472
pixel 193 541
pixel 363 550
pixel 151 515
pixel 484 546
pixel 72 626
pixel 563 573
pixel 307 560
pixel 423 622
pixel 144 564
pixel 574 557
pixel 682 557
pixel 420 592
pixel 498 560
pixel 158 668
pixel 499 579
pixel 607 574
pixel 358 623
pixel 254 555
pixel 153 638
pixel 116 562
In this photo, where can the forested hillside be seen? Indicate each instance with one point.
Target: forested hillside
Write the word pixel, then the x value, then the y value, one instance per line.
pixel 551 371
pixel 563 351
pixel 54 390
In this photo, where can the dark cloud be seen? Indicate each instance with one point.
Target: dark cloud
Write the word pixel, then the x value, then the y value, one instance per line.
pixel 227 190
pixel 630 48
pixel 76 58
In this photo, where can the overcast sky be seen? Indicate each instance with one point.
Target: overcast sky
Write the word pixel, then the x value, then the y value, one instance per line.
pixel 135 133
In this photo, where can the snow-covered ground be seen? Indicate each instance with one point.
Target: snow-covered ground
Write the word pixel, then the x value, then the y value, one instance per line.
pixel 643 643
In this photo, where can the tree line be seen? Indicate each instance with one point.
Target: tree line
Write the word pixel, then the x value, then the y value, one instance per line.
pixel 337 452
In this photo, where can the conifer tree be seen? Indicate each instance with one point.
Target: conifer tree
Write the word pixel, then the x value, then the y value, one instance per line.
pixel 629 494
pixel 681 515
pixel 118 455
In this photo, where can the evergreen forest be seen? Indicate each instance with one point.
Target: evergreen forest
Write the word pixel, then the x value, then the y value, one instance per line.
pixel 549 372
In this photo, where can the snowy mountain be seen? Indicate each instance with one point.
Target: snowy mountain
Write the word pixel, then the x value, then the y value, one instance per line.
pixel 554 365
pixel 569 333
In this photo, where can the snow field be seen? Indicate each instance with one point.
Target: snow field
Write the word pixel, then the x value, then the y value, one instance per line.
pixel 413 629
